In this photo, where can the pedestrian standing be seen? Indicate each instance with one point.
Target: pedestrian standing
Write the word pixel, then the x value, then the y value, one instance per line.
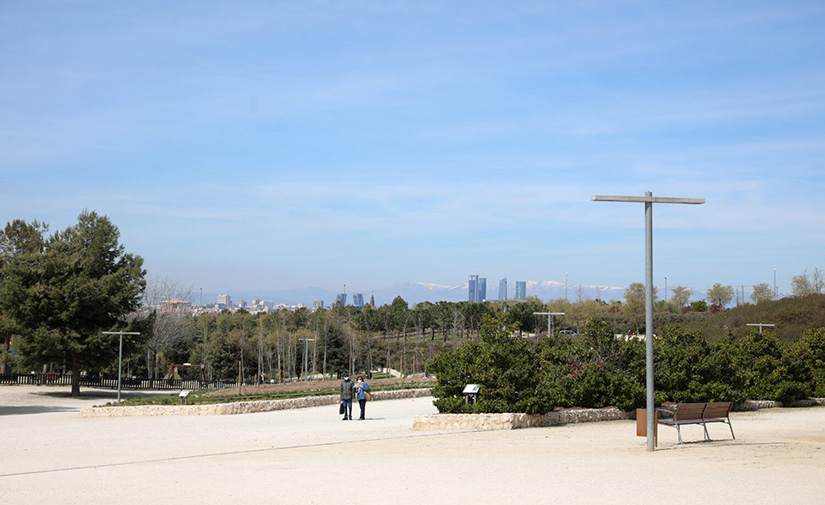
pixel 347 390
pixel 362 393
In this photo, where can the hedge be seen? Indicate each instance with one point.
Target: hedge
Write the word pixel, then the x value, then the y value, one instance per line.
pixel 597 369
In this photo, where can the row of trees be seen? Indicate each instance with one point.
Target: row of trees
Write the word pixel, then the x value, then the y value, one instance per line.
pixel 597 370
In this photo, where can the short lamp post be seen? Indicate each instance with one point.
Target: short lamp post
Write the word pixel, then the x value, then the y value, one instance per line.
pixel 760 325
pixel 120 356
pixel 648 200
pixel 549 320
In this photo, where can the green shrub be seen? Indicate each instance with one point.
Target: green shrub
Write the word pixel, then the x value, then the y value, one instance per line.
pixel 599 370
pixel 504 366
pixel 809 352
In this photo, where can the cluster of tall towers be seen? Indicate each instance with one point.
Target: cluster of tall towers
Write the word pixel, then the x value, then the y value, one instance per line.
pixel 478 289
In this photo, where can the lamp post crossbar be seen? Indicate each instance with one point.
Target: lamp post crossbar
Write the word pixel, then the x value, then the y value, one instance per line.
pixel 120 356
pixel 648 199
pixel 760 325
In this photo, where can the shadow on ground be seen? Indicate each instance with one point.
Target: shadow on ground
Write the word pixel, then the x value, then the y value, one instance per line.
pixel 34 409
pixel 52 401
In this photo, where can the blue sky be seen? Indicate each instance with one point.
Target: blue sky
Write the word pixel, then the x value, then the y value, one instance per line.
pixel 261 145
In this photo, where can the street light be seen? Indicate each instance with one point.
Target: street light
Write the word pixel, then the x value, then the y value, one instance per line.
pixel 665 290
pixel 760 325
pixel 549 320
pixel 774 283
pixel 306 359
pixel 648 200
pixel 120 355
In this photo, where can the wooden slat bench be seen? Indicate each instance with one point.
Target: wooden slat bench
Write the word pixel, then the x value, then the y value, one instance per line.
pixel 700 413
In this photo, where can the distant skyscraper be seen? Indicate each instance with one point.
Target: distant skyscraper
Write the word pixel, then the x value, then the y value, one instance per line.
pixel 225 300
pixel 341 299
pixel 521 290
pixel 319 304
pixel 358 300
pixel 477 289
pixel 502 289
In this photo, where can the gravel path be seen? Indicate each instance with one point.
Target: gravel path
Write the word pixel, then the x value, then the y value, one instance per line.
pixel 310 456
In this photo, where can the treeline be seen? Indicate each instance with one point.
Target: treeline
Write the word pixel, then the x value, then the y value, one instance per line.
pixel 596 369
pixel 288 345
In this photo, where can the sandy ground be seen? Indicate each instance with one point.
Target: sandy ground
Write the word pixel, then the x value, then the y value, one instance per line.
pixel 311 456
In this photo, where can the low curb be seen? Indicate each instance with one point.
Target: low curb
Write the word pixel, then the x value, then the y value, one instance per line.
pixel 223 409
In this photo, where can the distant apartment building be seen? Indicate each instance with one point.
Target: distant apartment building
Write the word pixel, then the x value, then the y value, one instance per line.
pixel 521 290
pixel 358 300
pixel 174 306
pixel 224 301
pixel 502 289
pixel 477 291
pixel 319 304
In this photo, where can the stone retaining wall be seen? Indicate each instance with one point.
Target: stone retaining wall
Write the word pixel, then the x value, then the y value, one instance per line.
pixel 241 407
pixel 516 421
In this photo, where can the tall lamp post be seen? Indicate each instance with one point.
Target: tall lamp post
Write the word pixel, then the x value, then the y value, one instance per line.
pixel 648 200
pixel 120 355
pixel 774 283
pixel 306 359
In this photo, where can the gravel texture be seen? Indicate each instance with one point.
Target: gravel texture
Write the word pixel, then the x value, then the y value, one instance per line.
pixel 52 455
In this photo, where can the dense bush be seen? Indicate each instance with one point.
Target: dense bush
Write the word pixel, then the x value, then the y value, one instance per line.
pixel 687 369
pixel 808 357
pixel 597 369
pixel 503 366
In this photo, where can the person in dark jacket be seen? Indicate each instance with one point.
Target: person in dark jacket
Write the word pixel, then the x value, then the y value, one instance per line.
pixel 347 391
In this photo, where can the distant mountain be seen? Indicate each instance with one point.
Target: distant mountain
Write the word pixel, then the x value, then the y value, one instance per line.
pixel 417 292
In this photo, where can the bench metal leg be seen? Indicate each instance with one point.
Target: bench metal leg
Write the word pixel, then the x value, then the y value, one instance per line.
pixel 679 432
pixel 707 435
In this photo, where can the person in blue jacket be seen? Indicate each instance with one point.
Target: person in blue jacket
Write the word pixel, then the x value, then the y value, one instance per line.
pixel 361 389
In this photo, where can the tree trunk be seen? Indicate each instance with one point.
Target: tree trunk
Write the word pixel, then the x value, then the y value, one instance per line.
pixel 75 375
pixel 4 367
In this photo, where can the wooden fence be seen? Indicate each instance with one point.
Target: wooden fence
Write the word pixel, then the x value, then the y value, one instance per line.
pixel 57 379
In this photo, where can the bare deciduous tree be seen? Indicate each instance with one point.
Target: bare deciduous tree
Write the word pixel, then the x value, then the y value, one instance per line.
pixel 762 293
pixel 170 324
pixel 720 295
pixel 681 296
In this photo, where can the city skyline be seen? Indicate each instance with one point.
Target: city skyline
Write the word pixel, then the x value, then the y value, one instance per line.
pixel 417 292
pixel 286 145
